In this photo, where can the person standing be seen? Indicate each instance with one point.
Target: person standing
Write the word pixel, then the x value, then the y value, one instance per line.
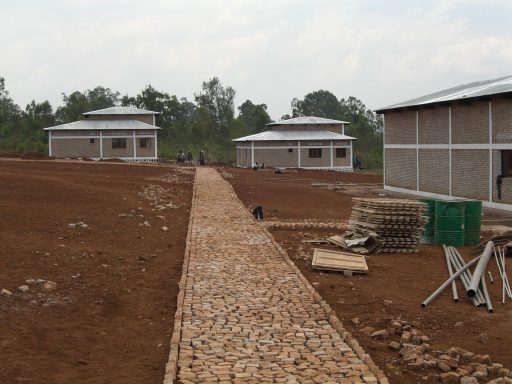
pixel 189 158
pixel 201 158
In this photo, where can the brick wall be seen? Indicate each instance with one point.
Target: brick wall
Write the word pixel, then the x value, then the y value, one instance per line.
pixel 306 161
pixel 149 151
pixel 401 168
pixel 400 127
pixel 243 157
pixel 342 161
pixel 75 148
pixel 148 119
pixel 76 133
pixel 275 143
pixel 108 151
pixel 470 173
pixel 145 132
pixel 506 186
pixel 470 123
pixel 433 126
pixel 434 170
pixel 502 120
pixel 309 127
pixel 276 157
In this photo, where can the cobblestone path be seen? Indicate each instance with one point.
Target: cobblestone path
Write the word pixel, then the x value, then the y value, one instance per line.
pixel 247 314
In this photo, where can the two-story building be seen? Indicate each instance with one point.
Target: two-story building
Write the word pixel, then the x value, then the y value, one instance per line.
pixel 302 142
pixel 125 133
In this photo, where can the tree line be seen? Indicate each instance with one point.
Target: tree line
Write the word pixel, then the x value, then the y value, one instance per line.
pixel 208 123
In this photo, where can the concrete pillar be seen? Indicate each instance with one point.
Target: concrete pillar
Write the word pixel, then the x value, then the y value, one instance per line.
pixel 49 143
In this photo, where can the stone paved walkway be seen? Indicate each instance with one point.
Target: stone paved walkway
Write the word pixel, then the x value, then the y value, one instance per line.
pixel 247 315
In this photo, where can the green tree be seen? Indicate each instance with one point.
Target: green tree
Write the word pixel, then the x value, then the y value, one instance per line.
pixel 219 102
pixel 319 103
pixel 78 103
pixel 253 116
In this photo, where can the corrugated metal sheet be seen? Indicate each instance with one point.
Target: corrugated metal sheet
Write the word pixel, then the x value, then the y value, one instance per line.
pixel 122 111
pixel 102 124
pixel 304 120
pixel 295 135
pixel 466 91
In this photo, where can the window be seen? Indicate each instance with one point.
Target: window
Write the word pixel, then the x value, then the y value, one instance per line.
pixel 118 143
pixel 91 141
pixel 145 143
pixel 315 153
pixel 341 152
pixel 506 163
pixel 290 150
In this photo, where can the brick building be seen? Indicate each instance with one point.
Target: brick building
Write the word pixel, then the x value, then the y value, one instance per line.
pixel 302 142
pixel 125 133
pixel 453 143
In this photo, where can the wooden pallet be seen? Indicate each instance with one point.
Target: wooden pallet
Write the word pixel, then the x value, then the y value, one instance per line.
pixel 328 260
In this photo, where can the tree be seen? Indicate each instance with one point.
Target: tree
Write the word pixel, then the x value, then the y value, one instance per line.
pixel 319 103
pixel 253 116
pixel 219 102
pixel 78 103
pixel 365 125
pixel 8 109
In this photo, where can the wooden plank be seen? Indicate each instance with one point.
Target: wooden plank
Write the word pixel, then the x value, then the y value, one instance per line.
pixel 338 261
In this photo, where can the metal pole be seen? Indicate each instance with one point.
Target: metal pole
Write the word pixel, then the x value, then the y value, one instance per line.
pixel 486 295
pixel 449 281
pixel 500 270
pixel 464 278
pixel 458 257
pixel 480 269
pixel 509 293
pixel 450 273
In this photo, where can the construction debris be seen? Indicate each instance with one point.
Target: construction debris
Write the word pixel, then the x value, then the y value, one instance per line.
pixel 397 222
pixel 338 261
pixel 504 241
pixel 361 241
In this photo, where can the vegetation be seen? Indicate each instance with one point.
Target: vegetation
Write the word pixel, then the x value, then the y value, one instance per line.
pixel 209 122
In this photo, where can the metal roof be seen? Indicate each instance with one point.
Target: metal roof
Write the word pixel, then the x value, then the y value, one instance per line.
pixel 461 92
pixel 102 124
pixel 295 135
pixel 121 111
pixel 304 120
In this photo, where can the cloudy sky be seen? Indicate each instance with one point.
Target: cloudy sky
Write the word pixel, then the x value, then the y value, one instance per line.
pixel 381 51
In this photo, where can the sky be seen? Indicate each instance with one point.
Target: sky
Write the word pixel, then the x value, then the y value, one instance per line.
pixel 380 51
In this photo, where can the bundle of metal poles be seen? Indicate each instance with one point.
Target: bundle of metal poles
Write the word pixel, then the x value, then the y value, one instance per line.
pixel 500 262
pixel 474 283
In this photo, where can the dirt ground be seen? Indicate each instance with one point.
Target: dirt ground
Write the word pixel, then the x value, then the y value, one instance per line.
pixel 110 317
pixel 403 279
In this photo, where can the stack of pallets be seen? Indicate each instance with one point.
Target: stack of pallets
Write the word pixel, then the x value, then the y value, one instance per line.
pixel 399 222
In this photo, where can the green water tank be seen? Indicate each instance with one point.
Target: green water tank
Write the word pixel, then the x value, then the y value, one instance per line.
pixel 472 222
pixel 450 217
pixel 428 233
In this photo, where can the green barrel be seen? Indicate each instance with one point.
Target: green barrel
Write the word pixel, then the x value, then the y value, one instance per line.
pixel 428 233
pixel 449 223
pixel 472 222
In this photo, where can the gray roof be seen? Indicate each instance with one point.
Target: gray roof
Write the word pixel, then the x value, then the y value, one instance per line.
pixel 102 124
pixel 121 111
pixel 295 135
pixel 304 120
pixel 466 91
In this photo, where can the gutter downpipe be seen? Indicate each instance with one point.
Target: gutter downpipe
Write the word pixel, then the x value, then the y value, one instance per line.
pixel 449 281
pixel 480 269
